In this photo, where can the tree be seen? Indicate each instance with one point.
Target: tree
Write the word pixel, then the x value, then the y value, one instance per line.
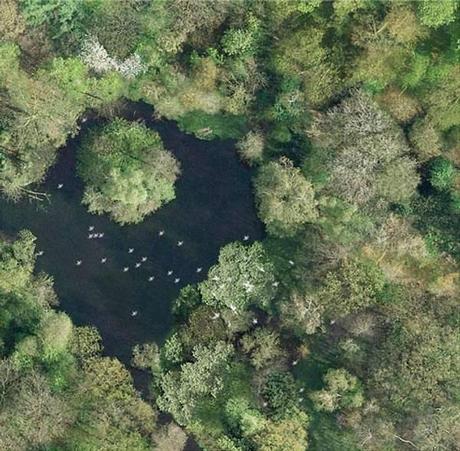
pixel 86 343
pixel 112 415
pixel 302 314
pixel 441 174
pixel 126 171
pixel 365 143
pixel 403 170
pixel 251 147
pixel 243 276
pixel 417 365
pixel 425 138
pixel 55 335
pixel 301 55
pixel 170 438
pixel 63 16
pixel 353 286
pixel 439 429
pixel 263 348
pixel 343 390
pixel 289 434
pixel 40 118
pixel 189 298
pixel 32 416
pixel 437 14
pixel 285 198
pixel 182 390
pixel 402 107
pixel 281 395
pixel 147 356
pixel 11 22
pixel 240 414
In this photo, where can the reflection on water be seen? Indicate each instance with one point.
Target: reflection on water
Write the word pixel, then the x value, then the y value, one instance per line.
pixel 88 255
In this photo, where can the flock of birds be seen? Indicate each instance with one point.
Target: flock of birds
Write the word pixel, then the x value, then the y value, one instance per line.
pixel 137 265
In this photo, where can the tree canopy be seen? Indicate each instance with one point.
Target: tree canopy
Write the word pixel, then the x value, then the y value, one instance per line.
pixel 127 172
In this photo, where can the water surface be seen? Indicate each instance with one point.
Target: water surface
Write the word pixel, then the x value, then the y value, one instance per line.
pixel 213 206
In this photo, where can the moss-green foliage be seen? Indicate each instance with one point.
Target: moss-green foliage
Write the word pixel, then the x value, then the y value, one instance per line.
pixel 243 277
pixel 285 198
pixel 437 14
pixel 127 172
pixel 441 174
pixel 342 390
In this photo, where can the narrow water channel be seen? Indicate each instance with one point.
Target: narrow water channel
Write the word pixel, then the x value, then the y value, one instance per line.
pixel 213 206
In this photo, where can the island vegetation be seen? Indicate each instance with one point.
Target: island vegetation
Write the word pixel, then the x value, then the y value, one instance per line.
pixel 339 330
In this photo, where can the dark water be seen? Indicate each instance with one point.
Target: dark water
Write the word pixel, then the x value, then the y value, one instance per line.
pixel 213 206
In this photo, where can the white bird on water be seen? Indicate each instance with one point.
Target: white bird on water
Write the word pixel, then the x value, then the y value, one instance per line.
pixel 130 250
pixel 100 235
pixel 78 262
pixel 180 243
pixel 103 259
pixel 40 253
pixel 134 313
pixel 176 280
pixel 161 233
pixel 90 236
pixel 246 238
pixel 199 269
pixel 126 269
pixel 170 272
pixel 60 185
pixel 90 228
pixel 144 259
pixel 151 278
pixel 138 264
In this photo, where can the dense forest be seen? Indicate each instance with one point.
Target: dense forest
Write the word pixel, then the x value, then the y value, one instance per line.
pixel 340 329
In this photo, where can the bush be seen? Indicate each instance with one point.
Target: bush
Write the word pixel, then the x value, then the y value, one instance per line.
pixel 441 174
pixel 251 147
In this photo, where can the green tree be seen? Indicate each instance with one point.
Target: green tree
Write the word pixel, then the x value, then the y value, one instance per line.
pixel 353 286
pixel 289 434
pixel 55 335
pixel 126 171
pixel 281 394
pixel 263 348
pixel 243 276
pixel 342 390
pixel 418 364
pixel 285 198
pixel 182 390
pixel 441 174
pixel 62 16
pixel 437 14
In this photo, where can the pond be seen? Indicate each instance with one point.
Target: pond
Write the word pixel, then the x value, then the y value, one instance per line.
pixel 213 206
